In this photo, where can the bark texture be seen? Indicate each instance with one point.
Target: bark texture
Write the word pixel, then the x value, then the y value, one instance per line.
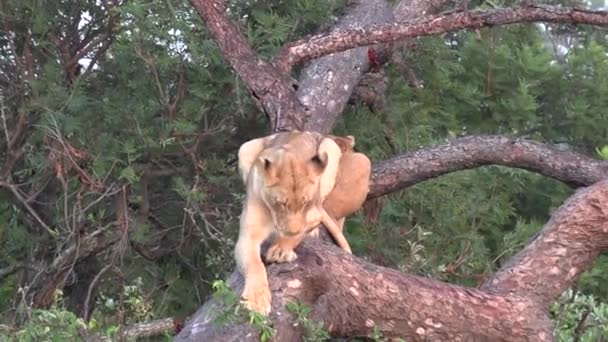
pixel 320 45
pixel 325 84
pixel 574 237
pixel 352 296
pixel 474 151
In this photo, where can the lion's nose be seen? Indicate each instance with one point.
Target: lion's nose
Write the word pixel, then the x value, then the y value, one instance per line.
pixel 292 229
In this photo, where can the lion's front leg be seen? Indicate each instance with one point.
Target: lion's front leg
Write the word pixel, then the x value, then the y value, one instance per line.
pixel 256 293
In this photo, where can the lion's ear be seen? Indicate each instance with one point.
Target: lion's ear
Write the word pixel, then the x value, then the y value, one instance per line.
pixel 346 143
pixel 319 162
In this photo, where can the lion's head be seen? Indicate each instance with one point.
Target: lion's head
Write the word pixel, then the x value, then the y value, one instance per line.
pixel 291 178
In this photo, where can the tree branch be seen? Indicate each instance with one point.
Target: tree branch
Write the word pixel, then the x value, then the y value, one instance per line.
pixel 11 269
pixel 352 297
pixel 475 151
pixel 320 45
pixel 151 328
pixel 49 279
pixel 326 83
pixel 574 237
pixel 271 90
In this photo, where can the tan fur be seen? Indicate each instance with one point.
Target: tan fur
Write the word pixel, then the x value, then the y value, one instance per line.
pixel 352 181
pixel 287 176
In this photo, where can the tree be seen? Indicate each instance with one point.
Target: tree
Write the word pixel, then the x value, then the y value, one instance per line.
pixel 359 297
pixel 119 200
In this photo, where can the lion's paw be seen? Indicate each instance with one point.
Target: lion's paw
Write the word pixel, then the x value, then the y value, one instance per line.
pixel 279 255
pixel 256 297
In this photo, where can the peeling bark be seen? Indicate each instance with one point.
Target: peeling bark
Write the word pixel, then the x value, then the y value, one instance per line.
pixel 474 151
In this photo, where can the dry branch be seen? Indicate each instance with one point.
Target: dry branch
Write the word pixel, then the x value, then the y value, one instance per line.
pixel 351 296
pixel 10 270
pixel 152 328
pixel 52 277
pixel 136 331
pixel 323 44
pixel 474 151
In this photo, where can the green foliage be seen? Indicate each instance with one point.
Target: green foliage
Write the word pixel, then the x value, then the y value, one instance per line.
pixel 377 336
pixel 234 312
pixel 313 331
pixel 603 153
pixel 52 325
pixel 580 315
pixel 55 324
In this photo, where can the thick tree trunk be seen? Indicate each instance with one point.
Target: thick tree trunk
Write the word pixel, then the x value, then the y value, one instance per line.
pixel 352 297
pixel 326 83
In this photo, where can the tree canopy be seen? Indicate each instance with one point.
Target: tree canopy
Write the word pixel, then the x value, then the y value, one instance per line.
pixel 120 199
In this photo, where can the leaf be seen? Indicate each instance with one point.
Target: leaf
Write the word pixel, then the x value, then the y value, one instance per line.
pixel 603 153
pixel 128 174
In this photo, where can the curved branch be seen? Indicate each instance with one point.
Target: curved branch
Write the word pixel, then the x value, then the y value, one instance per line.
pixel 475 151
pixel 352 297
pixel 320 45
pixel 574 237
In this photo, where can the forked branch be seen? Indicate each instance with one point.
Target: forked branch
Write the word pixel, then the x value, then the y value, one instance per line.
pixel 271 90
pixel 304 50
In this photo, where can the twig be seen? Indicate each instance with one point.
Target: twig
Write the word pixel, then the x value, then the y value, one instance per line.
pixel 3 115
pixel 27 206
pixel 85 310
pixel 580 327
pixel 7 271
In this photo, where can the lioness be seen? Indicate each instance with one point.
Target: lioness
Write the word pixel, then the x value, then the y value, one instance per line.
pixel 287 177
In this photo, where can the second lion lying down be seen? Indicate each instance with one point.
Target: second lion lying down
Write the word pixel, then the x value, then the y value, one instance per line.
pixel 288 177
